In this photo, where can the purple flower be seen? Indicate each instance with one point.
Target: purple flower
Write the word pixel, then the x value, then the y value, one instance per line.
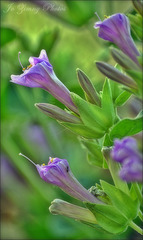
pixel 132 169
pixel 40 74
pixel 123 148
pixel 126 152
pixel 58 172
pixel 116 29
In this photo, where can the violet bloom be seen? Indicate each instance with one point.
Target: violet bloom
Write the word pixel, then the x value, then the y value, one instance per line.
pixel 126 152
pixel 123 148
pixel 132 169
pixel 40 74
pixel 57 172
pixel 116 29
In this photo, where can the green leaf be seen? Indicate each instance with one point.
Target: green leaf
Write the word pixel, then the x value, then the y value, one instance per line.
pixel 47 40
pixel 116 90
pixel 121 200
pixel 122 98
pixel 95 156
pixel 91 115
pixel 126 127
pixel 7 35
pixel 83 131
pixel 94 161
pixel 108 217
pixel 107 103
pixel 107 141
pixel 86 10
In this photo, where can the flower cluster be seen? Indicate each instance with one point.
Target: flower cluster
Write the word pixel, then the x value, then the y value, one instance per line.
pixel 125 151
pixel 95 119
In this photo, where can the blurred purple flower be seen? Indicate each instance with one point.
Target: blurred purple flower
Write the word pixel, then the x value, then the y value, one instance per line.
pixel 123 148
pixel 126 152
pixel 116 29
pixel 58 172
pixel 132 169
pixel 40 74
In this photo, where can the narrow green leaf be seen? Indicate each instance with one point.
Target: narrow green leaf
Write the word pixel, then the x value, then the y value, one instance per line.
pixel 121 200
pixel 107 141
pixel 126 127
pixel 122 98
pixel 107 103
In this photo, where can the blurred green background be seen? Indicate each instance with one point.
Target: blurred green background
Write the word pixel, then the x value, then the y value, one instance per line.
pixel 65 30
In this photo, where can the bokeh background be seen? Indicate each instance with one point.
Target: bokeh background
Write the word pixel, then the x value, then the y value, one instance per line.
pixel 65 30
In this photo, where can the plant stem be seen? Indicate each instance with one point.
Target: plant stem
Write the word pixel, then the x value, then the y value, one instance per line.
pixel 138 191
pixel 136 228
pixel 114 170
pixel 140 214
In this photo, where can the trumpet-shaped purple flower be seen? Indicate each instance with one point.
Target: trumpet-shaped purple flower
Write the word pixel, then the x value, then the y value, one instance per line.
pixel 116 29
pixel 58 172
pixel 40 74
pixel 126 152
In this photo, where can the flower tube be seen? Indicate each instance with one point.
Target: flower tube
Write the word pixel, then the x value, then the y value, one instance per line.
pixel 57 172
pixel 116 29
pixel 40 74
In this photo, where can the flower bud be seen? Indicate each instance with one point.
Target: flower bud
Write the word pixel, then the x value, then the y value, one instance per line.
pixel 64 208
pixel 57 113
pixel 124 60
pixel 88 87
pixel 114 74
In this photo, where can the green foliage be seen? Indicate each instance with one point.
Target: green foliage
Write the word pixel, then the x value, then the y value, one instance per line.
pixel 7 35
pixel 109 217
pixel 83 131
pixel 122 98
pixel 126 127
pixel 95 156
pixel 107 103
pixel 136 25
pixel 121 200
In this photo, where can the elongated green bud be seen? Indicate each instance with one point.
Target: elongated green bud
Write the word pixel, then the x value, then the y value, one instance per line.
pixel 114 74
pixel 124 60
pixel 57 113
pixel 88 88
pixel 64 208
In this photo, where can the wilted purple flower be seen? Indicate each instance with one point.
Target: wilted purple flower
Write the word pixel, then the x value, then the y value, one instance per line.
pixel 126 152
pixel 116 29
pixel 57 172
pixel 132 169
pixel 123 148
pixel 40 74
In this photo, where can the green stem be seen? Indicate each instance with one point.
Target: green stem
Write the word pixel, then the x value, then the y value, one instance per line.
pixel 138 191
pixel 140 214
pixel 114 170
pixel 136 228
